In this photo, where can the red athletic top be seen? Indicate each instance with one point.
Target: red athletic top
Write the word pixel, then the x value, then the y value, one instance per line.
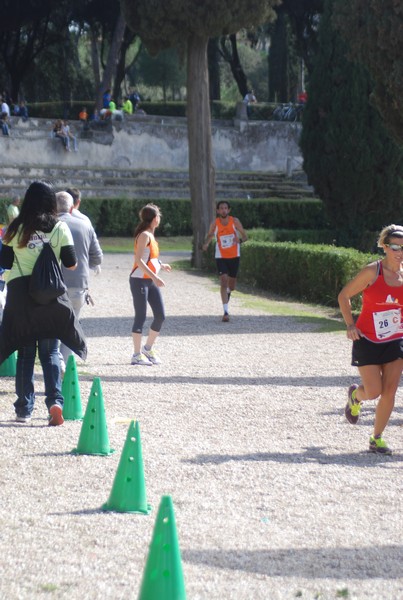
pixel 381 316
pixel 226 235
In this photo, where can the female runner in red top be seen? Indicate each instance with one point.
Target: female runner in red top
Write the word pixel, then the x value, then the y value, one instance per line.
pixel 377 335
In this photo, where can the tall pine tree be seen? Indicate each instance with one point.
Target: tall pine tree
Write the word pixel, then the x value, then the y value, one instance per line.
pixel 353 164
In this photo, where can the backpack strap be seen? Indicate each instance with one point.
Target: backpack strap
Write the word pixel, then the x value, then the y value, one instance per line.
pixel 56 228
pixel 18 265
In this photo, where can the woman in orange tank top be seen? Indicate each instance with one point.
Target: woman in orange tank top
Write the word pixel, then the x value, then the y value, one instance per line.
pixel 377 335
pixel 145 285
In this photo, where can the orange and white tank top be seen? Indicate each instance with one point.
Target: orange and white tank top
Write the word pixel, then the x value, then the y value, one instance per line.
pixel 225 236
pixel 150 257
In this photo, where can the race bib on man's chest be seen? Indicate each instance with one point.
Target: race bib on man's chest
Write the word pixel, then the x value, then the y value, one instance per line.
pixel 227 241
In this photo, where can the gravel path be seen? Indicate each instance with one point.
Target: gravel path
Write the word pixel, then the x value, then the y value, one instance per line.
pixel 275 495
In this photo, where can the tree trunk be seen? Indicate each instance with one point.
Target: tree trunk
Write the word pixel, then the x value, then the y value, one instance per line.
pixel 95 57
pixel 201 168
pixel 232 58
pixel 113 57
pixel 213 55
pixel 120 74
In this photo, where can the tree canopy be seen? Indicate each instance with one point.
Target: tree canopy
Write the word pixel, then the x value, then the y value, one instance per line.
pixel 349 157
pixel 377 43
pixel 189 24
pixel 169 23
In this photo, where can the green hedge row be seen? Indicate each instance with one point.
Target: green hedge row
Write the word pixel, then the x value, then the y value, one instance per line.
pixel 118 216
pixel 304 236
pixel 58 110
pixel 307 272
pixel 219 109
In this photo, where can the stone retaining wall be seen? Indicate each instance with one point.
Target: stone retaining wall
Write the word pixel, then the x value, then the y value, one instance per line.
pixel 153 143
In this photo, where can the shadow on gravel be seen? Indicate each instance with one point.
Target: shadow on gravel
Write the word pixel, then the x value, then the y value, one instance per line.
pixel 385 562
pixel 152 374
pixel 312 454
pixel 209 325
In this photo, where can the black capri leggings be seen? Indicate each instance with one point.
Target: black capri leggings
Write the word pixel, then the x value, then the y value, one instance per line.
pixel 143 291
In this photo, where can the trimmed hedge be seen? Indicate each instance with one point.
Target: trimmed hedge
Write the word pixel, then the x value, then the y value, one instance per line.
pixel 304 236
pixel 262 111
pixel 303 271
pixel 277 213
pixel 119 216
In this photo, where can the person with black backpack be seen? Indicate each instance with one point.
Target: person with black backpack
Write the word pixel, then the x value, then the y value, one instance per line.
pixel 28 323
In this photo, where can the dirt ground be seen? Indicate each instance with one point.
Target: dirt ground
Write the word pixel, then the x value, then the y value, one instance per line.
pixel 275 494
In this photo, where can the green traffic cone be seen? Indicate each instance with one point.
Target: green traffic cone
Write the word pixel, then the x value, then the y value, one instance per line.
pixel 8 368
pixel 163 575
pixel 94 437
pixel 129 489
pixel 72 409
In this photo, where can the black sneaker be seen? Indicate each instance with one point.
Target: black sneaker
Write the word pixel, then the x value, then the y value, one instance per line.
pixel 225 318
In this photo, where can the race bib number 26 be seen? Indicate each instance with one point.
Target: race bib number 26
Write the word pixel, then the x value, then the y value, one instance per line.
pixel 387 323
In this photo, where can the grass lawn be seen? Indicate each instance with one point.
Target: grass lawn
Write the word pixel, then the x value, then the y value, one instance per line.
pixel 116 245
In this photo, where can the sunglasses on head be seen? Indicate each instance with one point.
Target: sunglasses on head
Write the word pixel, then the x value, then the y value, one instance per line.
pixel 395 247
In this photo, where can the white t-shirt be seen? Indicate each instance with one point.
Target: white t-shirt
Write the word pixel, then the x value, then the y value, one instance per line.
pixel 5 108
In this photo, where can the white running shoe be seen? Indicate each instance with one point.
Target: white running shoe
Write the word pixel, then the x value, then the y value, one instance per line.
pixel 152 356
pixel 141 359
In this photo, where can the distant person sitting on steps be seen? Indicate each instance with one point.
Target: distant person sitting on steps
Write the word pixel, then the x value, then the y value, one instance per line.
pixel 4 123
pixel 69 136
pixel 249 99
pixel 127 106
pixel 59 133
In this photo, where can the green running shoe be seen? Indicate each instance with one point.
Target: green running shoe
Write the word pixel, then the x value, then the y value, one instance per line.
pixel 353 407
pixel 378 445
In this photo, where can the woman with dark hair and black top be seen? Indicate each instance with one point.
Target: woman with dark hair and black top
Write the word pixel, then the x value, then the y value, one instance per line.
pixel 27 325
pixel 145 285
pixel 377 335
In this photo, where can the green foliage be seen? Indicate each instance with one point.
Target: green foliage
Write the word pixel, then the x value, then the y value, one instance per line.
pixel 223 110
pixel 283 62
pixel 254 64
pixel 302 271
pixel 117 217
pixel 378 44
pixel 280 214
pixel 304 236
pixel 349 158
pixel 163 70
pixel 169 23
pixel 3 210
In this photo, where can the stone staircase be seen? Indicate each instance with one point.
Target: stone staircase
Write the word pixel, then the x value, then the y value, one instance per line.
pixel 130 183
pixel 31 154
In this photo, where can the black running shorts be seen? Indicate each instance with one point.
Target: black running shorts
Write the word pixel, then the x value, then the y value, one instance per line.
pixel 228 266
pixel 369 353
